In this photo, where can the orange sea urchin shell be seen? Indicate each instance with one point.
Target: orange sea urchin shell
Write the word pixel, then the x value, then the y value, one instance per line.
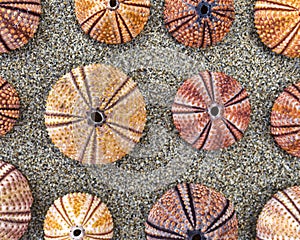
pixel 95 114
pixel 15 202
pixel 9 107
pixel 285 120
pixel 280 217
pixel 211 110
pixel 112 21
pixel 19 21
pixel 192 212
pixel 78 216
pixel 199 23
pixel 278 25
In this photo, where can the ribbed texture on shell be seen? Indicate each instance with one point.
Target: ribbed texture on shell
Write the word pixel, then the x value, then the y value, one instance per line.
pixel 198 23
pixel 285 120
pixel 191 209
pixel 78 209
pixel 278 25
pixel 112 22
pixel 280 217
pixel 194 101
pixel 19 20
pixel 87 89
pixel 15 202
pixel 9 107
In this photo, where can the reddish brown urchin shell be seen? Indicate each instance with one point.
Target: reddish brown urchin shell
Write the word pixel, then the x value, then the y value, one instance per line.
pixel 285 120
pixel 15 202
pixel 9 107
pixel 190 212
pixel 199 23
pixel 78 216
pixel 280 217
pixel 95 114
pixel 211 110
pixel 19 21
pixel 112 21
pixel 278 25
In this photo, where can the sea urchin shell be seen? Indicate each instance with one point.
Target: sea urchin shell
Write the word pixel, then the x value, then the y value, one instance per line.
pixel 78 216
pixel 211 110
pixel 285 120
pixel 112 21
pixel 199 23
pixel 15 202
pixel 19 21
pixel 278 25
pixel 9 107
pixel 280 217
pixel 192 212
pixel 95 114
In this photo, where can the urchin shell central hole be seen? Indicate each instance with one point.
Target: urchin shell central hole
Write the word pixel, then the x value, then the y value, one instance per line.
pixel 97 117
pixel 77 232
pixel 203 10
pixel 214 111
pixel 113 3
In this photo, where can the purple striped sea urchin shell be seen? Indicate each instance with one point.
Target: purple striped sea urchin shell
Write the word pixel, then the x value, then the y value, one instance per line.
pixel 211 110
pixel 192 212
pixel 15 202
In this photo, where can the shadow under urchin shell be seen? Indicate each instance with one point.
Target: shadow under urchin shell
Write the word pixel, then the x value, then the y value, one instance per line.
pixel 198 23
pixel 192 212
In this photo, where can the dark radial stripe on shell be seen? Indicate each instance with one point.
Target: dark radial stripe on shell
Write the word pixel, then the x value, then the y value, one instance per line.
pixel 191 206
pixel 211 111
pixel 119 21
pixel 95 114
pixel 205 22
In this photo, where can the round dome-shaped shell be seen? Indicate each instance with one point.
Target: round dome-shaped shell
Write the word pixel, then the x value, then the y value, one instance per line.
pixel 95 114
pixel 198 23
pixel 211 110
pixel 278 25
pixel 19 21
pixel 15 202
pixel 9 107
pixel 112 21
pixel 280 217
pixel 78 216
pixel 190 212
pixel 285 120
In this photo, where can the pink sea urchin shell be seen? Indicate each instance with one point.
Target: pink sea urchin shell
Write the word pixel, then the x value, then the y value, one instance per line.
pixel 15 202
pixel 211 110
pixel 192 212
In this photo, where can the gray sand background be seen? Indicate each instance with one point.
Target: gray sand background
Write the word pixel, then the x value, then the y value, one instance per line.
pixel 248 173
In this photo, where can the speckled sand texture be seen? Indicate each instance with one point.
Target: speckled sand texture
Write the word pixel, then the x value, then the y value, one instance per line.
pixel 248 173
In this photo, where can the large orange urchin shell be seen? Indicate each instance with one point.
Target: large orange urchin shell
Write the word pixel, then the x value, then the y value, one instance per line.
pixel 278 25
pixel 199 23
pixel 112 21
pixel 211 110
pixel 192 212
pixel 78 216
pixel 285 120
pixel 15 202
pixel 19 21
pixel 9 107
pixel 95 114
pixel 280 217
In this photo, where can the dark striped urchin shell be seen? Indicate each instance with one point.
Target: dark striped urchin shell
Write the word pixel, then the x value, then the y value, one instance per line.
pixel 19 21
pixel 192 212
pixel 95 114
pixel 9 107
pixel 280 217
pixel 112 21
pixel 278 25
pixel 211 110
pixel 15 202
pixel 199 23
pixel 285 120
pixel 78 216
